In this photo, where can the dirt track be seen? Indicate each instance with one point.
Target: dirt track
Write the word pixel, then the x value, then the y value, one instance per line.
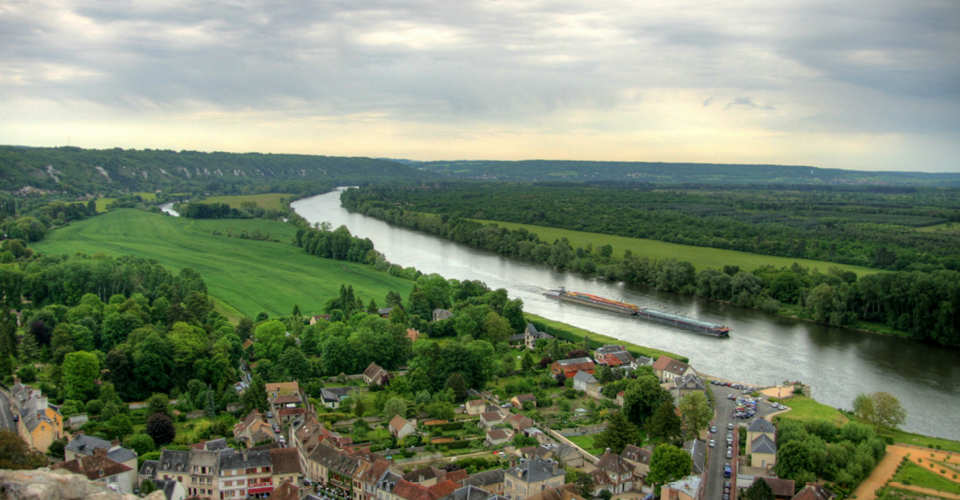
pixel 888 467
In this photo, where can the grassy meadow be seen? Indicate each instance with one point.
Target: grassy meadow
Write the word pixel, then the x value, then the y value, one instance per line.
pixel 246 275
pixel 266 200
pixel 916 475
pixel 701 257
pixel 103 202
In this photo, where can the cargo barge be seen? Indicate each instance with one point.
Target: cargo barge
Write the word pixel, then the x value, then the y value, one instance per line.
pixel 643 313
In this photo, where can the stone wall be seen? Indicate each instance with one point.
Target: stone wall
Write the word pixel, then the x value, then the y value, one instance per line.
pixel 44 484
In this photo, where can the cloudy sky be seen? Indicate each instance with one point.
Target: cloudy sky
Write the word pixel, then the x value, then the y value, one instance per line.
pixel 866 85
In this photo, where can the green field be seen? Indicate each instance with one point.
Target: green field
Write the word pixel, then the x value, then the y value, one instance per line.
pixel 946 227
pixel 701 257
pixel 267 200
pixel 586 442
pixel 248 275
pixel 103 202
pixel 921 475
pixel 804 408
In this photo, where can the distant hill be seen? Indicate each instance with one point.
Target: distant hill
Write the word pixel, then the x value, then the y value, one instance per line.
pixel 656 172
pixel 77 170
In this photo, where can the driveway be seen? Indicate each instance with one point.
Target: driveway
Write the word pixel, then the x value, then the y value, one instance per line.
pixel 6 416
pixel 717 459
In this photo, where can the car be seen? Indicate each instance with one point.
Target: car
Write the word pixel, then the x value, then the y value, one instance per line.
pixel 730 426
pixel 269 414
pixel 712 443
pixel 726 486
pixel 16 418
pixel 729 440
pixel 507 405
pixel 727 471
pixel 729 453
pixel 713 429
pixel 726 496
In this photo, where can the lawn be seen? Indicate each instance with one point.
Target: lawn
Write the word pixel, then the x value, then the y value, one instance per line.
pixel 804 408
pixel 266 200
pixel 946 227
pixel 919 475
pixel 580 332
pixel 247 275
pixel 586 442
pixel 103 202
pixel 920 440
pixel 700 257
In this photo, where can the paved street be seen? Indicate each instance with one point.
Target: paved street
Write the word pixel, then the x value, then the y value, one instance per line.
pixel 725 407
pixel 6 416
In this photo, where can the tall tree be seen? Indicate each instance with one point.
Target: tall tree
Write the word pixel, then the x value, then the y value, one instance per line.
pixel 664 426
pixel 161 429
pixel 642 397
pixel 618 434
pixel 456 383
pixel 695 414
pixel 882 409
pixel 80 372
pixel 668 464
pixel 15 454
pixel 255 396
pixel 526 364
pixel 760 490
pixel 158 404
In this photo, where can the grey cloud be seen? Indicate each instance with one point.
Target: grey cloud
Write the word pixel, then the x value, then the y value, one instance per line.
pixel 746 103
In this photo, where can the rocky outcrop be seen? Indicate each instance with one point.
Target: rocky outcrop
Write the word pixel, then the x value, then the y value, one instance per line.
pixel 44 484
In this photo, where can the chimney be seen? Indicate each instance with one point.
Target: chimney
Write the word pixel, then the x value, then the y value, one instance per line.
pixel 100 451
pixel 555 465
pixel 244 455
pixel 114 444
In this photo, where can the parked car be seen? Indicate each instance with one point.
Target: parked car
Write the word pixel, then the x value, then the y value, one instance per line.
pixel 712 443
pixel 727 471
pixel 729 453
pixel 269 414
pixel 16 418
pixel 713 429
pixel 730 426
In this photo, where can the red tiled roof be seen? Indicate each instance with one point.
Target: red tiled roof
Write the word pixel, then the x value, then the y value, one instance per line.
pixel 457 475
pixel 780 487
pixel 286 398
pixel 291 411
pixel 285 460
pixel 95 467
pixel 668 364
pixel 286 491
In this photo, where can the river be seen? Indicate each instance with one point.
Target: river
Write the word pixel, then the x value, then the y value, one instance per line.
pixel 762 349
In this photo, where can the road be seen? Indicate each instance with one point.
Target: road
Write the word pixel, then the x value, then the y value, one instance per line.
pixel 725 407
pixel 6 416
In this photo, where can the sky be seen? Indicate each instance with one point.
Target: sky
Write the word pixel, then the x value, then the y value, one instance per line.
pixel 868 85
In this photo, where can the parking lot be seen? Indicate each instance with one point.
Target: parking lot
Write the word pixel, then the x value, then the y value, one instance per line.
pixel 725 418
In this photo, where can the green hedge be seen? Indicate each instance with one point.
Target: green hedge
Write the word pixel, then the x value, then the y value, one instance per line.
pixel 456 445
pixel 573 338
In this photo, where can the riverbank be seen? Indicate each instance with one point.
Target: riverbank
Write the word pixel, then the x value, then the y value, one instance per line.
pixel 605 339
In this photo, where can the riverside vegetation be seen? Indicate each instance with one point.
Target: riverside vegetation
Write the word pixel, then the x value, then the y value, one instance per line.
pixel 919 302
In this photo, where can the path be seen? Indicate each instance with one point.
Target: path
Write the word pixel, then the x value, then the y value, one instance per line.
pixel 888 467
pixel 926 491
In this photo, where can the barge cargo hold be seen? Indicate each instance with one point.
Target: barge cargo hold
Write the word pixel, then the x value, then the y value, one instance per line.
pixel 643 313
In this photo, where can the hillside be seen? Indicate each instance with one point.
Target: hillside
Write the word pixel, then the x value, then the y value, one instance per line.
pixel 77 170
pixel 247 274
pixel 659 172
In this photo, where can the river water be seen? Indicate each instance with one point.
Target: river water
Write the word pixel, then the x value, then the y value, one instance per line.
pixel 762 349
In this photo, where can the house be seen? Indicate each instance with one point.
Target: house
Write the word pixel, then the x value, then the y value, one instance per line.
pixel 582 379
pixel 519 399
pixel 517 339
pixel 763 452
pixel 367 477
pixel 531 336
pixel 758 427
pixel 288 407
pixel 285 491
pixel 476 406
pixel 244 474
pixel 608 349
pixel 384 312
pixel 401 427
pixel 374 374
pixel 77 421
pixel 496 437
pixel 783 489
pixel 148 471
pixel 667 368
pixel 441 314
pixel 687 488
pixel 40 424
pixel 531 477
pixel 641 361
pixel 172 490
pixel 813 491
pixel 277 389
pixel 413 334
pixel 613 473
pixel 518 422
pixel 698 454
pixel 471 492
pixel 286 465
pixel 426 476
pixel 254 429
pixel 570 367
pixel 407 490
pixel 319 317
pixel 616 359
pixel 490 418
pixel 247 344
pixel 84 446
pixel 489 480
pixel 620 396
pixel 204 468
pixel 686 384
pixel 640 459
pixel 97 467
pixel 333 396
pixel 565 492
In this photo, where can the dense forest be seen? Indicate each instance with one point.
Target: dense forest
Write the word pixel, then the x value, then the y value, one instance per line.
pixel 923 304
pixel 659 172
pixel 854 226
pixel 86 171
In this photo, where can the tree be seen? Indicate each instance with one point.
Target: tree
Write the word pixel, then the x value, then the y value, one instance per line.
pixel 881 409
pixel 255 396
pixel 158 403
pixel 760 490
pixel 695 414
pixel 668 464
pixel 359 407
pixel 526 364
pixel 140 443
pixel 108 393
pixel 583 480
pixel 296 364
pixel 15 454
pixel 161 429
pixel 618 434
pixel 642 397
pixel 459 386
pixel 80 372
pixel 121 425
pixel 148 487
pixel 360 428
pixel 395 406
pixel 56 447
pixel 665 424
